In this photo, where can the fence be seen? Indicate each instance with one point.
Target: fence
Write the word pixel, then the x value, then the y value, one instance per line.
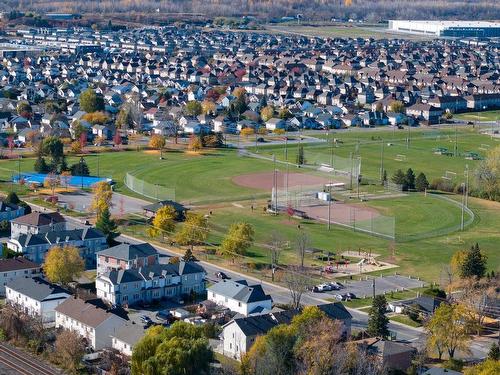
pixel 149 190
pixel 469 218
pixel 75 181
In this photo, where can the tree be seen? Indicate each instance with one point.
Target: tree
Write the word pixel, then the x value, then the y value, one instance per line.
pixel 397 106
pixel 449 329
pixel 276 245
pixel 90 101
pixel 76 147
pixel 12 198
pixel 208 107
pixel 163 222
pixel 80 169
pixel 238 239
pixel 69 349
pixel 193 108
pixel 54 148
pixel 124 119
pixel 78 130
pixel 188 255
pixel 246 132
pixel 195 143
pixel 96 117
pixel 377 320
pixel 399 178
pixel 421 183
pixel 267 113
pixel 181 349
pixel 107 226
pixel 297 283
pixel 410 179
pixel 194 231
pixel 24 109
pixel 52 181
pixel 488 175
pixel 302 243
pixel 63 264
pixel 40 165
pixel 102 197
pixel 300 160
pixel 65 179
pixel 494 353
pixel 473 264
pixel 158 142
pixel 285 113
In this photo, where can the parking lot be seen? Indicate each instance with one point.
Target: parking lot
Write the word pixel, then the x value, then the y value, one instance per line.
pixel 386 284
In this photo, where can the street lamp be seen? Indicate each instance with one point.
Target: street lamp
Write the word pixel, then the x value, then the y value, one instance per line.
pixel 81 170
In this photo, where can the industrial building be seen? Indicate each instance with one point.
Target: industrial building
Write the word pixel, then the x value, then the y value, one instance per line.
pixel 453 29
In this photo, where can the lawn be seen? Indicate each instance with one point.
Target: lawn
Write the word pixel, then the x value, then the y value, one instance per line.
pixel 479 116
pixel 391 149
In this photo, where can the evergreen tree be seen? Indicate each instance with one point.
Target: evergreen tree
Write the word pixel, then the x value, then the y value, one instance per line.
pixel 421 183
pixel 107 226
pixel 188 255
pixel 494 352
pixel 80 169
pixel 300 160
pixel 399 178
pixel 12 198
pixel 40 165
pixel 474 263
pixel 377 320
pixel 384 177
pixel 410 179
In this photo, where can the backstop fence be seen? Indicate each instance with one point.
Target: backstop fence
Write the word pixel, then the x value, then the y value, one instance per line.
pixel 149 190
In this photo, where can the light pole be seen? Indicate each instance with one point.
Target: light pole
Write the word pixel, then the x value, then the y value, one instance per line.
pixel 382 163
pixel 463 207
pixel 330 205
pixel 81 170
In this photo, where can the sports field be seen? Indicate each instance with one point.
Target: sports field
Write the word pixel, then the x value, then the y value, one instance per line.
pixel 479 116
pixel 208 181
pixel 391 150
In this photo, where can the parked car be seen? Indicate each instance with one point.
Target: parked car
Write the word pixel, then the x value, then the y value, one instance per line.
pixel 221 275
pixel 339 297
pixel 350 296
pixel 324 288
pixel 145 319
pixel 164 315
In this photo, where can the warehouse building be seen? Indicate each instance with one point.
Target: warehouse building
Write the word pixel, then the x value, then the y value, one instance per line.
pixel 454 29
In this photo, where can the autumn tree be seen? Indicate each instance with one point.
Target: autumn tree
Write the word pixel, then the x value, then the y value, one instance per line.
pixel 52 181
pixel 193 108
pixel 246 132
pixel 195 143
pixel 488 175
pixel 237 240
pixel 76 147
pixel 194 230
pixel 267 113
pixel 208 107
pixel 63 264
pixel 96 118
pixel 397 106
pixel 102 197
pixel 90 101
pixel 163 222
pixel 124 119
pixel 24 109
pixel 297 283
pixel 69 349
pixel 377 319
pixel 488 367
pixel 158 142
pixel 276 244
pixel 302 243
pixel 449 329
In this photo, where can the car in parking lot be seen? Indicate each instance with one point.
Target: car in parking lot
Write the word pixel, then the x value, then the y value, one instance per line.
pixel 350 296
pixel 145 319
pixel 164 315
pixel 322 288
pixel 339 297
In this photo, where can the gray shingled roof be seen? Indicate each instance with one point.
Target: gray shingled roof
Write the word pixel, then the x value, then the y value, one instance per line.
pixel 35 288
pixel 240 291
pixel 130 333
pixel 127 251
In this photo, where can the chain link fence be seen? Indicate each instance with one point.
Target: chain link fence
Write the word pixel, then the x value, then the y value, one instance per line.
pixel 149 190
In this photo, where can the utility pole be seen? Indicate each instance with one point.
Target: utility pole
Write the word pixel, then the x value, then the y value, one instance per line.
pixel 456 141
pixel 467 185
pixel 373 287
pixel 463 207
pixel 350 156
pixel 409 137
pixel 382 162
pixel 330 205
pixel 275 178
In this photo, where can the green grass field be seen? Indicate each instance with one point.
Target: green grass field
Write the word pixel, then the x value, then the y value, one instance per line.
pixel 206 178
pixel 479 116
pixel 392 148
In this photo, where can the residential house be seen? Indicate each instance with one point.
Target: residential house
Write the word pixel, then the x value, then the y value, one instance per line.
pixel 240 297
pixel 150 209
pixel 14 268
pixel 150 283
pixel 9 211
pixel 424 112
pixel 37 223
pixel 275 123
pixel 92 322
pixel 126 337
pixel 126 256
pixel 392 355
pixel 35 296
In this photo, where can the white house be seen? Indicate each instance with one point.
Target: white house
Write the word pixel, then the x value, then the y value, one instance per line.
pixel 14 268
pixel 36 296
pixel 37 223
pixel 240 297
pixel 126 337
pixel 93 323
